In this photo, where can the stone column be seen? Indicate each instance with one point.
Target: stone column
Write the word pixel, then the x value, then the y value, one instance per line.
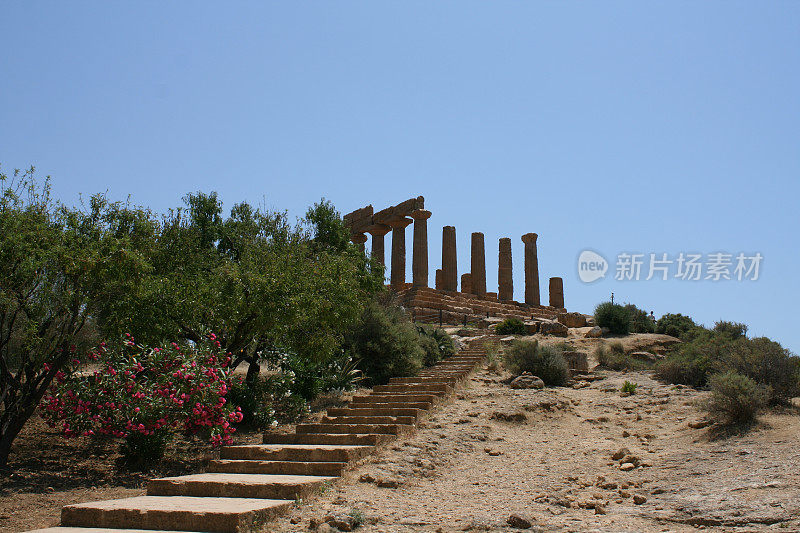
pixel 359 239
pixel 449 259
pixel 505 272
pixel 398 275
pixel 557 293
pixel 531 270
pixel 478 266
pixel 419 261
pixel 378 231
pixel 466 283
pixel 439 279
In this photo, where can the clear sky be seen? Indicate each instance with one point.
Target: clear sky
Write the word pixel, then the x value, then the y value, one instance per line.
pixel 644 127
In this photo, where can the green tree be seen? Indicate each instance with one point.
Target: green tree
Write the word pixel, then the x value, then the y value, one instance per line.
pixel 61 271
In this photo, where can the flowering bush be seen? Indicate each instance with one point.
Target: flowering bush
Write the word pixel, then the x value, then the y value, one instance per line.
pixel 145 395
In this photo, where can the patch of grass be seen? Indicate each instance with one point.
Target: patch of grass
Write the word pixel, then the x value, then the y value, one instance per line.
pixel 613 357
pixel 511 326
pixel 628 387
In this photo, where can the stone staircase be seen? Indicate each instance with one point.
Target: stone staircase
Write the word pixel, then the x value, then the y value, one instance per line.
pixel 249 485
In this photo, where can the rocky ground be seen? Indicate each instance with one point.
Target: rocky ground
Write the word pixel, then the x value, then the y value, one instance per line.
pixel 553 459
pixel 494 458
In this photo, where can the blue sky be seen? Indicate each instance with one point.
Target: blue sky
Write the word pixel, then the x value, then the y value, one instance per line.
pixel 647 127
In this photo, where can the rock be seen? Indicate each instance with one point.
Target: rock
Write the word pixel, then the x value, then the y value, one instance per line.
pixel 644 356
pixel 531 327
pixel 572 320
pixel 387 483
pixel 595 333
pixel 626 433
pixel 624 493
pixel 639 499
pixel 324 528
pixel 366 478
pixel 507 340
pixel 509 417
pixel 626 467
pixel 599 509
pixel 619 454
pixel 590 321
pixel 527 381
pixel 699 424
pixel 577 361
pixel 294 520
pixel 553 327
pixel 632 459
pixel 518 522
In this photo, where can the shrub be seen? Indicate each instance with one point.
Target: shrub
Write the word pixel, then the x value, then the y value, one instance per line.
pixel 639 319
pixel 676 325
pixel 613 357
pixel 148 392
pixel 436 343
pixel 731 330
pixel 546 362
pixel 628 387
pixel 614 317
pixel 385 343
pixel 735 399
pixel 511 326
pixel 769 364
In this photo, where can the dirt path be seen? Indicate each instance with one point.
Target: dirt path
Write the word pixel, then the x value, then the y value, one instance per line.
pixel 464 470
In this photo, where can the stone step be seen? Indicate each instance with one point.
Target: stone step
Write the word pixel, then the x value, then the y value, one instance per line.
pixel 61 529
pixel 368 419
pixel 323 438
pixel 425 379
pixel 292 468
pixel 171 513
pixel 413 387
pixel 296 452
pixel 231 485
pixel 400 404
pixel 367 411
pixel 395 397
pixel 387 429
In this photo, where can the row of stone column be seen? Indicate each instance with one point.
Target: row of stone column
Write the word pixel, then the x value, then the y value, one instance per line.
pixel 473 282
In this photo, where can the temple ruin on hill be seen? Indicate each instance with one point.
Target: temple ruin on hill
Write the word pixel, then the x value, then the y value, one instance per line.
pixel 445 302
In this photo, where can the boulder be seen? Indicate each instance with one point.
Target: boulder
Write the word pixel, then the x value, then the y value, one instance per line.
pixel 489 321
pixel 595 333
pixel 519 522
pixel 590 321
pixel 531 326
pixel 527 381
pixel 553 327
pixel 572 320
pixel 645 356
pixel 577 361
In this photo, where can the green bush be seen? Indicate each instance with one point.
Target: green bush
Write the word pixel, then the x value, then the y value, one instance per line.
pixel 546 362
pixel 628 387
pixel 639 319
pixel 614 317
pixel 613 357
pixel 385 343
pixel 140 451
pixel 511 326
pixel 436 343
pixel 676 325
pixel 724 349
pixel 735 399
pixel 267 400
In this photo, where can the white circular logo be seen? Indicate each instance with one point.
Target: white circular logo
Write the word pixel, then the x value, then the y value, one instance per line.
pixel 591 266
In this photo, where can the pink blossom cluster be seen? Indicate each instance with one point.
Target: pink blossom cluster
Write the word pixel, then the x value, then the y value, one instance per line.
pixel 144 390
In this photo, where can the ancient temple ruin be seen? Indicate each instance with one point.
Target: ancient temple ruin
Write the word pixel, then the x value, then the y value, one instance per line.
pixel 444 302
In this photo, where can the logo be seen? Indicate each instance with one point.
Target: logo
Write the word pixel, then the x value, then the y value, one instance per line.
pixel 591 266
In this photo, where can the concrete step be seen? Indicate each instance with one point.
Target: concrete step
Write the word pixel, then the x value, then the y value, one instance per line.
pixel 227 485
pixel 367 411
pixel 384 429
pixel 296 452
pixel 369 419
pixel 292 468
pixel 322 438
pixel 171 513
